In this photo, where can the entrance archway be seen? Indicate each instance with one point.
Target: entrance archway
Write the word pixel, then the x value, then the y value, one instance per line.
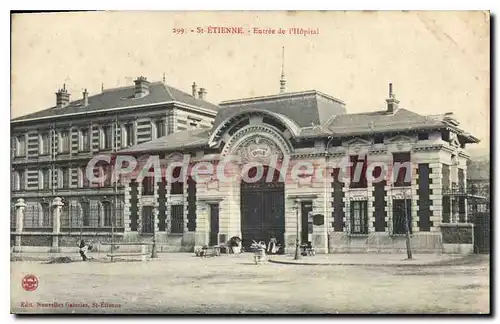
pixel 262 207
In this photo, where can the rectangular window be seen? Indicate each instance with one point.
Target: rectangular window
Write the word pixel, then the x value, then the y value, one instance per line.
pixel 107 173
pixel 423 136
pixel 107 136
pixel 359 217
pixel 21 146
pixel 461 179
pixel 46 215
pixel 84 181
pixel 64 145
pixel 106 208
pixel 358 171
pixel 446 209
pixel 129 135
pixel 378 139
pixel 402 169
pixel 335 143
pixel 44 144
pixel 160 128
pixel 98 177
pixel 147 219
pixel 45 179
pixel 446 177
pixel 148 186
pixel 65 178
pixel 85 213
pixel 85 140
pixel 21 180
pixel 177 185
pixel 401 213
pixel 177 219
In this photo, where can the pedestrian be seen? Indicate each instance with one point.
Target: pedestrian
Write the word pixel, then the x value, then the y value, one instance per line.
pixel 83 249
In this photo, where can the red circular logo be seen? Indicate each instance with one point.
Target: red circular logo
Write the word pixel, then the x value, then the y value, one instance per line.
pixel 30 282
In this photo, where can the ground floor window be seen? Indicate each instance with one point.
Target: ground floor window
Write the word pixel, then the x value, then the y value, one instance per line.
pixel 359 217
pixel 177 219
pixel 46 215
pixel 147 219
pixel 107 213
pixel 401 209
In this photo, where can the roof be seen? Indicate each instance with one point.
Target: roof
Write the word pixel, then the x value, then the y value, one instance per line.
pixel 120 98
pixel 307 114
pixel 305 108
pixel 381 121
pixel 175 141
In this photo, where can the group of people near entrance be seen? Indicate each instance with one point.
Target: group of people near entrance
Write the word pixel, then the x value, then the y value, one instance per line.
pixel 272 247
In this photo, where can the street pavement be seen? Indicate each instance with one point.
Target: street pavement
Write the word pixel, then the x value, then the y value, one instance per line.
pixel 180 283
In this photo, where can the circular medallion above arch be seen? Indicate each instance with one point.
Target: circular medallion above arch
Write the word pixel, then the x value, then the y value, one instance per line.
pixel 257 143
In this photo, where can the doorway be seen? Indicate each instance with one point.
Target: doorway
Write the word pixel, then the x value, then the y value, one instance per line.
pixel 305 210
pixel 214 225
pixel 263 208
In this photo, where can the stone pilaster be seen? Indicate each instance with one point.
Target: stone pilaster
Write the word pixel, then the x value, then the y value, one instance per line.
pixel 57 205
pixel 20 211
pixel 126 206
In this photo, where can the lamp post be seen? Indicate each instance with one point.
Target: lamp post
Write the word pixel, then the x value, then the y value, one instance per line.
pixel 297 251
pixel 154 253
pixel 407 224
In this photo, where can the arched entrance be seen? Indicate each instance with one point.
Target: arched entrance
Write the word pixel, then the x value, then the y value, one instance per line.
pixel 262 207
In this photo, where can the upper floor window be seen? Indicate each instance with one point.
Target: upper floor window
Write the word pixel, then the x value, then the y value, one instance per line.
pixel 85 140
pixel 423 136
pixel 358 168
pixel 148 186
pixel 128 136
pixel 21 145
pixel 44 148
pixel 106 137
pixel 160 128
pixel 19 181
pixel 65 178
pixel 64 144
pixel 402 169
pixel 379 139
pixel 176 182
pixel 44 180
pixel 84 180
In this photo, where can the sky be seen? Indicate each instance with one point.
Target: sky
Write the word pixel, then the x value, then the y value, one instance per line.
pixel 438 62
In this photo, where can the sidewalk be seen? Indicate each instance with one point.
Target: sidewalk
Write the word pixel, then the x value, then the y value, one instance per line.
pixel 367 259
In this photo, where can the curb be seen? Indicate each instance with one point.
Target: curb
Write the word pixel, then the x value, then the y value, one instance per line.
pixel 402 264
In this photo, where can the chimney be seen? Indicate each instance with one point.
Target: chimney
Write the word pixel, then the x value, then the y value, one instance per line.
pixel 85 98
pixel 141 87
pixel 202 94
pixel 62 97
pixel 194 89
pixel 392 103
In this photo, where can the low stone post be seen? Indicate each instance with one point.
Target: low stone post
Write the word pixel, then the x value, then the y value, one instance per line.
pixel 56 216
pixel 20 209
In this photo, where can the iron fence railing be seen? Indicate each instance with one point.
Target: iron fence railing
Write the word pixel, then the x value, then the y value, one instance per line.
pixel 90 218
pixel 37 217
pixel 12 218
